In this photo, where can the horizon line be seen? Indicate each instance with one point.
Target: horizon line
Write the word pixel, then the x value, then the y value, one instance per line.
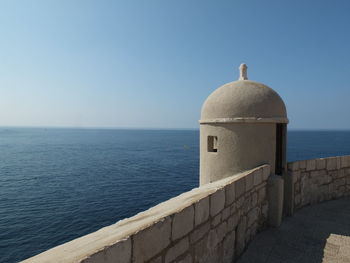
pixel 145 128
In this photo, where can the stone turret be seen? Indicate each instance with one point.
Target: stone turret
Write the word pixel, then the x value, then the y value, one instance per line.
pixel 242 126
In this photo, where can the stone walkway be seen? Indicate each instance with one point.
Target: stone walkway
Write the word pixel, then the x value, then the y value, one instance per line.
pixel 318 233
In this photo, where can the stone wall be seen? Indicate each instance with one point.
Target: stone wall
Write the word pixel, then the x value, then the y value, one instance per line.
pixel 213 223
pixel 319 180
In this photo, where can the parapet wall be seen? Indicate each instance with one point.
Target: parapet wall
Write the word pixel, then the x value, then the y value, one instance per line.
pixel 319 180
pixel 212 223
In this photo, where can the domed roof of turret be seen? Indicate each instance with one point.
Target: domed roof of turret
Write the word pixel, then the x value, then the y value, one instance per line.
pixel 244 101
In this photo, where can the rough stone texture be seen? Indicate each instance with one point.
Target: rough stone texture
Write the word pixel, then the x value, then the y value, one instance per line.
pixel 213 223
pixel 177 250
pixel 217 202
pixel 201 209
pixel 326 180
pixel 182 223
pixel 230 194
pixel 159 233
pixel 240 187
pixel 121 250
pixel 199 232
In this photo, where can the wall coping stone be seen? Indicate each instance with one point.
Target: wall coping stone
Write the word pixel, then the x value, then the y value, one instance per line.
pixel 83 247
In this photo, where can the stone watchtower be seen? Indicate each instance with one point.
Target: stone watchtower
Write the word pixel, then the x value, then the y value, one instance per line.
pixel 243 125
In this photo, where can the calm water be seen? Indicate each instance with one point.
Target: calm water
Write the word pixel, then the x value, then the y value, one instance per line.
pixel 60 184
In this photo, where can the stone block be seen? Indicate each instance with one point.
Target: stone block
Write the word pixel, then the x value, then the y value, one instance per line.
pixel 348 179
pixel 226 213
pixel 230 194
pixel 120 250
pixel 201 250
pixel 240 187
pixel 201 210
pixel 347 171
pixel 266 172
pixel 217 202
pixel 293 166
pixel 258 177
pixel 233 208
pixel 331 163
pixel 310 165
pixel 261 195
pixel 229 247
pixel 232 222
pixel 297 187
pixel 339 182
pixel 320 164
pixel 344 161
pixel 159 233
pixel 156 260
pixel 177 250
pixel 265 210
pixel 186 259
pixel 199 232
pixel 302 165
pixel 217 234
pixel 241 236
pixel 216 220
pixel 252 216
pixel 249 182
pixel 254 199
pixel 183 223
pixel 295 176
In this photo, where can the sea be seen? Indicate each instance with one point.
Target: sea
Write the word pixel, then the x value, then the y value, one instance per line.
pixel 57 184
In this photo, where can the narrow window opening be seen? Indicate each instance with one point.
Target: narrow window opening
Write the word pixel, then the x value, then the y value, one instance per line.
pixel 279 148
pixel 212 143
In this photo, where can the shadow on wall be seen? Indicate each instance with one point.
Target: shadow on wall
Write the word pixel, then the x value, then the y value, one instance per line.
pixel 319 233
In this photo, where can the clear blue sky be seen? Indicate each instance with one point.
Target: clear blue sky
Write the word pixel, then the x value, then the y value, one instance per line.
pixel 152 63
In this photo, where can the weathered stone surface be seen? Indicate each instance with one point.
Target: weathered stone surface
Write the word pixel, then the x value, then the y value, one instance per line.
pixel 310 165
pixel 258 177
pixel 232 222
pixel 217 202
pixel 201 250
pixel 240 187
pixel 241 235
pixel 339 182
pixel 186 259
pixel 120 250
pixel 177 250
pixel 331 163
pixel 156 260
pixel 261 195
pixel 201 209
pixel 302 165
pixel 216 220
pixel 182 223
pixel 293 166
pixel 343 161
pixel 229 248
pixel 254 199
pixel 230 194
pixel 266 172
pixel 265 209
pixel 320 164
pixel 217 234
pixel 199 232
pixel 252 216
pixel 249 182
pixel 226 213
pixel 159 233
